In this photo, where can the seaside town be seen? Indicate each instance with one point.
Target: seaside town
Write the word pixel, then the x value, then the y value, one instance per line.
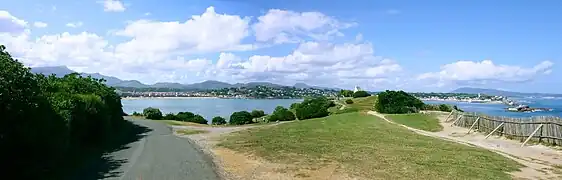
pixel 257 92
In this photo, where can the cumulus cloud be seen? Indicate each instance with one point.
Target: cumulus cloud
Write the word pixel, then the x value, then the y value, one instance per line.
pixel 74 24
pixel 282 26
pixel 10 23
pixel 486 70
pixel 113 5
pixel 40 24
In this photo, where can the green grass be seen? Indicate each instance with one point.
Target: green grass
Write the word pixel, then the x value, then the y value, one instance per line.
pixel 180 123
pixel 425 122
pixel 363 103
pixel 369 147
pixel 190 131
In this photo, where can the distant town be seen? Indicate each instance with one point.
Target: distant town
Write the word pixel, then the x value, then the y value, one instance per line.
pixel 257 92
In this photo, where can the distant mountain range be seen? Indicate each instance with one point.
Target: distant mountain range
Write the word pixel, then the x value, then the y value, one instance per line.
pixel 205 85
pixel 496 92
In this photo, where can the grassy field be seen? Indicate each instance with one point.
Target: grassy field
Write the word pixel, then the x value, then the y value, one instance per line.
pixel 364 103
pixel 425 122
pixel 369 147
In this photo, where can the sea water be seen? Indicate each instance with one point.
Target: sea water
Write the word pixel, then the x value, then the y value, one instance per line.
pixel 499 109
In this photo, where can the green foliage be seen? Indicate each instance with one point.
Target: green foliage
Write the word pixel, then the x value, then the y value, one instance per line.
pixel 457 108
pixel 185 116
pixel 314 108
pixel 359 94
pixel 257 113
pixel 437 107
pixel 170 116
pixel 152 113
pixel 218 120
pixel 199 119
pixel 346 93
pixel 282 114
pixel 397 102
pixel 294 105
pixel 136 113
pixel 241 117
pixel 349 101
pixel 445 107
pixel 44 118
pixel 345 110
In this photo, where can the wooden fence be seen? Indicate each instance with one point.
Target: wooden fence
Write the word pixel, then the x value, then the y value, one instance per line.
pixel 541 129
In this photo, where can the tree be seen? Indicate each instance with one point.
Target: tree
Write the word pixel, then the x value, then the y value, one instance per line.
pixel 170 116
pixel 397 102
pixel 185 116
pixel 241 117
pixel 314 108
pixel 257 113
pixel 282 114
pixel 294 105
pixel 446 108
pixel 199 119
pixel 361 94
pixel 349 101
pixel 218 120
pixel 346 93
pixel 152 113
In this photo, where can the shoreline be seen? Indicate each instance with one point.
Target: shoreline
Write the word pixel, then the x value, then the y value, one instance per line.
pixel 449 100
pixel 135 98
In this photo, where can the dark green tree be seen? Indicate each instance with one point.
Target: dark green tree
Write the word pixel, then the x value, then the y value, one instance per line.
pixel 282 114
pixel 349 101
pixel 314 108
pixel 218 120
pixel 152 113
pixel 257 113
pixel 240 117
pixel 361 94
pixel 397 102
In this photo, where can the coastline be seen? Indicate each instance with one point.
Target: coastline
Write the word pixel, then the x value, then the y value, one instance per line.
pixel 450 100
pixel 135 98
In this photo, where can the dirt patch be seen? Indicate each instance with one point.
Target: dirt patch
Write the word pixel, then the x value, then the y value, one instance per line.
pixel 238 166
pixel 540 161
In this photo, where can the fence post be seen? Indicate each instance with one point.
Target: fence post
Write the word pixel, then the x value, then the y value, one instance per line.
pixel 458 118
pixel 446 119
pixel 530 136
pixel 495 129
pixel 473 124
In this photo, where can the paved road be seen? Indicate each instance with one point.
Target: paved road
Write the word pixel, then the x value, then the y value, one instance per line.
pixel 160 155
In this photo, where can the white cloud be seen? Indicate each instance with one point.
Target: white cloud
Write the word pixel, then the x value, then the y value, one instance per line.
pixel 74 24
pixel 282 26
pixel 484 71
pixel 10 23
pixel 39 24
pixel 113 5
pixel 209 32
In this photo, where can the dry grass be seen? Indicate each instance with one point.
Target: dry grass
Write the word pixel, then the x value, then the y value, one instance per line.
pixel 366 146
pixel 363 103
pixel 190 131
pixel 427 122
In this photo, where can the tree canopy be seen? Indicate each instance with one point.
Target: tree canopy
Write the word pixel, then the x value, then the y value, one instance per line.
pixel 397 102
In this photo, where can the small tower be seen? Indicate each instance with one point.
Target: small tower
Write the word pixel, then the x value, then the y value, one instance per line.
pixel 357 88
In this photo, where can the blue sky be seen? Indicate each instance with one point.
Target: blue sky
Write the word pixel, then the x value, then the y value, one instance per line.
pixel 415 46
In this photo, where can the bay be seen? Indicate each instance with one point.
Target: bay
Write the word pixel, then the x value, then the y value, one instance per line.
pixel 206 107
pixel 498 109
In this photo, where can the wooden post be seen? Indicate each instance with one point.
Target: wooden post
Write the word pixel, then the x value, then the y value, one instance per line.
pixel 494 130
pixel 473 124
pixel 530 136
pixel 457 120
pixel 446 119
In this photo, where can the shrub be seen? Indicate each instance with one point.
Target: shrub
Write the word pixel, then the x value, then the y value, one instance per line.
pixel 361 94
pixel 152 113
pixel 170 116
pixel 257 113
pixel 457 108
pixel 397 102
pixel 294 106
pixel 430 107
pixel 240 117
pixel 281 114
pixel 346 93
pixel 446 108
pixel 136 113
pixel 314 108
pixel 199 119
pixel 185 116
pixel 218 120
pixel 349 101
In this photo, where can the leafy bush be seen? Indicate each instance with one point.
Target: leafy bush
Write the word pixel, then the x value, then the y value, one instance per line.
pixel 240 117
pixel 170 116
pixel 282 114
pixel 45 118
pixel 346 93
pixel 349 101
pixel 361 94
pixel 199 119
pixel 457 108
pixel 446 108
pixel 136 113
pixel 152 113
pixel 314 108
pixel 218 120
pixel 294 106
pixel 397 102
pixel 257 113
pixel 185 116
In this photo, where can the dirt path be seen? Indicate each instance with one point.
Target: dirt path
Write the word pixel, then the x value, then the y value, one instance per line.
pixel 542 162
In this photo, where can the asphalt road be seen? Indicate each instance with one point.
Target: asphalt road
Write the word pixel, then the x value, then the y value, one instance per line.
pixel 160 155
